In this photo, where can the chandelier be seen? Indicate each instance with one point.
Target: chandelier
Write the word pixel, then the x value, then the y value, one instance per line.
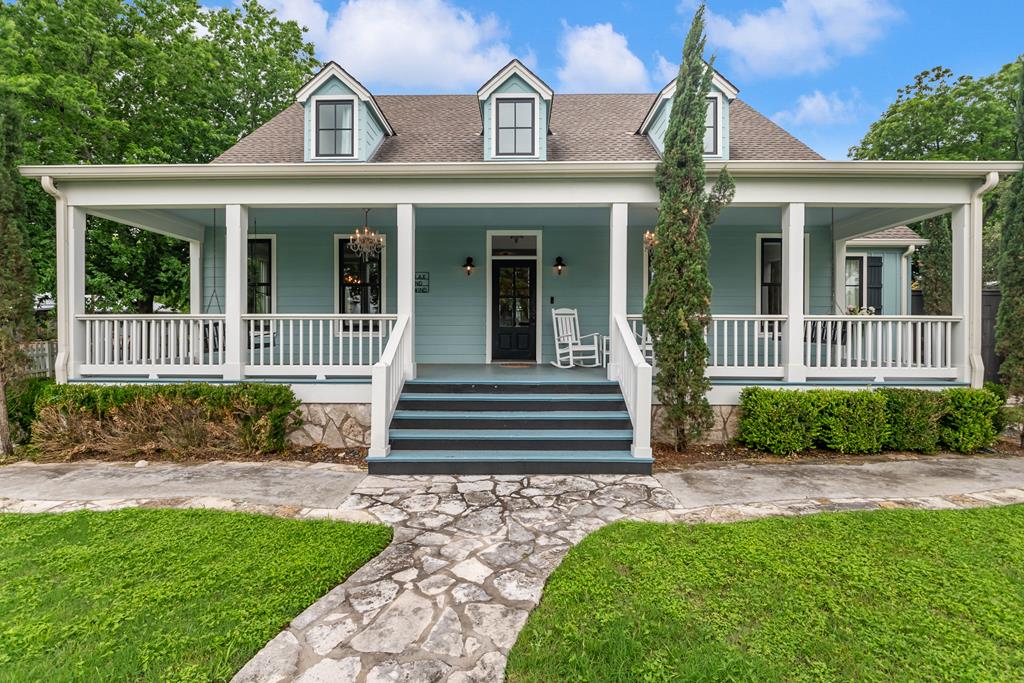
pixel 650 240
pixel 365 242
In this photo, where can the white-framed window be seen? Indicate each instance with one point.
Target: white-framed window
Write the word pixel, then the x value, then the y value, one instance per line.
pixel 853 283
pixel 261 275
pixel 360 285
pixel 335 122
pixel 712 127
pixel 515 124
pixel 769 274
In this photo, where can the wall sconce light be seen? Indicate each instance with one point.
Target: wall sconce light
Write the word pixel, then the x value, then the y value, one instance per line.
pixel 468 266
pixel 560 266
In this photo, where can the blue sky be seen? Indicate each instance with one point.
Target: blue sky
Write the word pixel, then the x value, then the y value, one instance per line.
pixel 824 69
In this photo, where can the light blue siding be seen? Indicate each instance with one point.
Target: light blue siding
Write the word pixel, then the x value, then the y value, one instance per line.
pixel 892 284
pixel 656 131
pixel 369 133
pixel 515 85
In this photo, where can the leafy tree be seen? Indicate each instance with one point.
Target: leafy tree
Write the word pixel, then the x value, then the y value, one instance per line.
pixel 1010 319
pixel 17 282
pixel 140 81
pixel 678 305
pixel 942 117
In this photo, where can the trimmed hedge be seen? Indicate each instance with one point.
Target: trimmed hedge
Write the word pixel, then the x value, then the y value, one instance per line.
pixel 21 405
pixel 178 420
pixel 782 422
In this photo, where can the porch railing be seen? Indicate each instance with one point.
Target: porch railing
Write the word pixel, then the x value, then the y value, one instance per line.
pixel 634 375
pixel 879 345
pixel 315 344
pixel 389 375
pixel 738 345
pixel 152 344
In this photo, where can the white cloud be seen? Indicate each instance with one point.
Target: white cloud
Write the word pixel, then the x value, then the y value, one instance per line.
pixel 418 45
pixel 664 70
pixel 800 36
pixel 597 59
pixel 819 109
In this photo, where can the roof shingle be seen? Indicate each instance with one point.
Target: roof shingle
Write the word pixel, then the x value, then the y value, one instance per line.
pixel 447 128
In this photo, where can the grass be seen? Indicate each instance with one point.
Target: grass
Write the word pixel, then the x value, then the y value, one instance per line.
pixel 874 596
pixel 160 595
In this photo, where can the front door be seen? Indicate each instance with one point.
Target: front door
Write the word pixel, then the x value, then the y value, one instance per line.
pixel 513 314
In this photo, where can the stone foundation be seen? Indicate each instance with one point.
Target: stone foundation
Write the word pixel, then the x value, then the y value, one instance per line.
pixel 725 429
pixel 334 425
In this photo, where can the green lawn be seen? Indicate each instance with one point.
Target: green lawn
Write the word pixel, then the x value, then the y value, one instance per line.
pixel 160 595
pixel 874 596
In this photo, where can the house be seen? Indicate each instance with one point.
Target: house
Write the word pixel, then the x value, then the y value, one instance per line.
pixel 397 260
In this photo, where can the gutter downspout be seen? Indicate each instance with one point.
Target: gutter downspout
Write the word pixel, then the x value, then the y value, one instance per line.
pixel 905 279
pixel 64 321
pixel 977 365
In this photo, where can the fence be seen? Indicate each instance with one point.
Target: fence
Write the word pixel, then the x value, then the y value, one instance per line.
pixel 41 356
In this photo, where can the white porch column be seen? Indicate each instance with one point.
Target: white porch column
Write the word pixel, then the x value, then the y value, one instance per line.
pixel 793 292
pixel 406 259
pixel 839 277
pixel 73 302
pixel 618 246
pixel 966 300
pixel 236 224
pixel 195 277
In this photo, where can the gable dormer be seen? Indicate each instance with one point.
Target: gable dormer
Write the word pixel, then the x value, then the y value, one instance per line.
pixel 716 125
pixel 515 106
pixel 342 120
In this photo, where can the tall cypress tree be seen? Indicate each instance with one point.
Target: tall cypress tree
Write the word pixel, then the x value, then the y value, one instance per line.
pixel 16 279
pixel 1010 320
pixel 678 306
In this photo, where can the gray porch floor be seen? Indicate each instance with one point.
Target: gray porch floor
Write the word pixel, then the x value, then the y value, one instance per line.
pixel 507 372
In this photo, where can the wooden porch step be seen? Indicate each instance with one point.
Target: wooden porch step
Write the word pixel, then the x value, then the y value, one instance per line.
pixel 511 387
pixel 507 419
pixel 510 462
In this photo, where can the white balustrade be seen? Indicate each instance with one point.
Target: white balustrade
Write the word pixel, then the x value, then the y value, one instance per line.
pixel 888 346
pixel 389 375
pixel 312 344
pixel 152 344
pixel 634 375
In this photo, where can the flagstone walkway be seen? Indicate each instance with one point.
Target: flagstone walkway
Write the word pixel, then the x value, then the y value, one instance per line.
pixel 447 599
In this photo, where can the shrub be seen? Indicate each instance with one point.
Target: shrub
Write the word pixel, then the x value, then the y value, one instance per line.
pixel 776 421
pixel 850 421
pixel 913 417
pixel 1001 417
pixel 21 405
pixel 968 423
pixel 174 420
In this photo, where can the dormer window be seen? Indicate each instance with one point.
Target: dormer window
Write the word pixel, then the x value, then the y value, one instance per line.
pixel 516 126
pixel 335 128
pixel 711 128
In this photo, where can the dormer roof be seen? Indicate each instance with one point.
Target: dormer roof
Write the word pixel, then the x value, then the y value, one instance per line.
pixel 515 68
pixel 333 70
pixel 717 80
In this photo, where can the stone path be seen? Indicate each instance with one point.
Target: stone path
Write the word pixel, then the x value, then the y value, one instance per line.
pixel 447 599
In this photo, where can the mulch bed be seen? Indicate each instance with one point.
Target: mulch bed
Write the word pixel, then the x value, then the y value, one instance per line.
pixel 311 454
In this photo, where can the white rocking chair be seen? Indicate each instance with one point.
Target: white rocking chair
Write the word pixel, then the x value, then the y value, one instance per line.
pixel 571 348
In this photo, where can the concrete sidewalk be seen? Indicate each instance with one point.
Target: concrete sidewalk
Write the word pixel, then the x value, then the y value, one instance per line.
pixel 296 484
pixel 724 484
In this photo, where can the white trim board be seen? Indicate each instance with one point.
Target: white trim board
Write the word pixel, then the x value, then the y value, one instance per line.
pixel 332 69
pixel 515 67
pixel 539 258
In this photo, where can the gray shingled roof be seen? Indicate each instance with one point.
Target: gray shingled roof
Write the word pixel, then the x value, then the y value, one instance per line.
pixel 446 128
pixel 900 232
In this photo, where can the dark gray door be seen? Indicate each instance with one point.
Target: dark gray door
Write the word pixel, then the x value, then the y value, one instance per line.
pixel 513 318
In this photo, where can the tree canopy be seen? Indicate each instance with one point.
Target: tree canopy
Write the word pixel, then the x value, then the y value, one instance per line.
pixel 139 81
pixel 942 117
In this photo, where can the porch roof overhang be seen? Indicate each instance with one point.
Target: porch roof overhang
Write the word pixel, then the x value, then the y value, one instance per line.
pixel 802 169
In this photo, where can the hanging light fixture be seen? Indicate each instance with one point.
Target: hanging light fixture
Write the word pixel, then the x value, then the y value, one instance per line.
pixel 366 242
pixel 650 240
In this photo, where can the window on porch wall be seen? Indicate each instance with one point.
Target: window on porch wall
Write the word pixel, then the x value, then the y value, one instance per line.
pixel 259 277
pixel 771 276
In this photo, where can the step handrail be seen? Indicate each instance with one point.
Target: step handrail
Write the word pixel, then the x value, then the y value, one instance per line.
pixel 388 379
pixel 635 377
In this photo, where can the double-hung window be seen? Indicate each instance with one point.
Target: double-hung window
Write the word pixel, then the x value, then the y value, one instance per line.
pixel 711 127
pixel 854 283
pixel 260 277
pixel 771 276
pixel 335 128
pixel 515 127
